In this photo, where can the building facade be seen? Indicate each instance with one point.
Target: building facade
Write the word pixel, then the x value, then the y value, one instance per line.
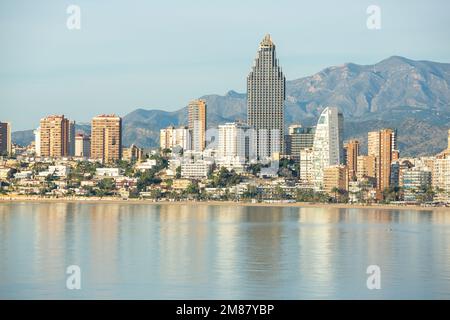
pixel 441 178
pixel 198 169
pixel 415 182
pixel 106 138
pixel 366 167
pixel 197 124
pixel 133 153
pixel 380 145
pixel 328 144
pixel 54 136
pixel 72 136
pixel 306 167
pixel 5 138
pixel 351 153
pixel 297 139
pixel 170 137
pixel 236 143
pixel 335 177
pixel 266 92
pixel 82 145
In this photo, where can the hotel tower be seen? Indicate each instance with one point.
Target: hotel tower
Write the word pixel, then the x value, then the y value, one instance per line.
pixel 5 138
pixel 106 138
pixel 266 93
pixel 328 144
pixel 54 136
pixel 197 124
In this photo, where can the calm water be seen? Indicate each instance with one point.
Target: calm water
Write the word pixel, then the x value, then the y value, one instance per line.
pixel 221 252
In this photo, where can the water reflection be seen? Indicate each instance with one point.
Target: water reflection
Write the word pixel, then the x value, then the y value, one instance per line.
pixel 219 252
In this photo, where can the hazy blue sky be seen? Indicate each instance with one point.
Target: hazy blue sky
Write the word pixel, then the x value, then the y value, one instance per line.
pixel 160 54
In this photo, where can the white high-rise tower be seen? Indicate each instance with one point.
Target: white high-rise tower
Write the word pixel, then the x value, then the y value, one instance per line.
pixel 328 144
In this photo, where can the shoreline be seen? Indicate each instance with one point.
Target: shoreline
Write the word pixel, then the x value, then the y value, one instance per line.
pixel 16 199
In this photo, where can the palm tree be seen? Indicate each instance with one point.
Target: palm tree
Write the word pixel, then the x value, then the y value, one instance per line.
pixel 335 190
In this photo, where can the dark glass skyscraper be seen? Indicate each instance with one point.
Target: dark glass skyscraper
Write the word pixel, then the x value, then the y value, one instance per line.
pixel 265 99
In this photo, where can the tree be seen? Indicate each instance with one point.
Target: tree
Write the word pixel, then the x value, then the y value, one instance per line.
pixel 309 195
pixel 279 193
pixel 226 178
pixel 255 169
pixel 192 188
pixel 147 179
pixel 105 186
pixel 250 193
pixel 335 190
pixel 155 194
pixel 392 193
pixel 178 172
pixel 288 168
pixel 126 166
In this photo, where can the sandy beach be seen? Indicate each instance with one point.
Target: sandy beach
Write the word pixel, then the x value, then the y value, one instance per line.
pixel 110 200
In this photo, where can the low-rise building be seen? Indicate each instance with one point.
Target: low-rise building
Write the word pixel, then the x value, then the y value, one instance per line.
pixel 146 165
pixel 23 175
pixel 5 173
pixel 335 177
pixel 180 184
pixel 133 153
pixel 195 169
pixel 108 172
pixel 415 183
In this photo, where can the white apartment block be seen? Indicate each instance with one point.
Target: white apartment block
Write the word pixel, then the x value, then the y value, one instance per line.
pixel 171 137
pixel 306 156
pixel 441 177
pixel 108 172
pixel 196 169
pixel 236 144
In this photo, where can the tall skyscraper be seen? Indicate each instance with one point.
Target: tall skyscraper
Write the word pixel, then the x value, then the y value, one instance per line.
pixel 266 92
pixel 71 146
pixel 351 158
pixel 82 146
pixel 380 145
pixel 37 141
pixel 327 147
pixel 54 136
pixel 5 138
pixel 197 123
pixel 106 138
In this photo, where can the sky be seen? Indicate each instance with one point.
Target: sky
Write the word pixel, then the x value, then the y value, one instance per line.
pixel 162 54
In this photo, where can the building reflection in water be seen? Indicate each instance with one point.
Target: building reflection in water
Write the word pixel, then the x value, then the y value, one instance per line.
pixel 49 236
pixel 240 252
pixel 261 247
pixel 184 243
pixel 103 256
pixel 316 243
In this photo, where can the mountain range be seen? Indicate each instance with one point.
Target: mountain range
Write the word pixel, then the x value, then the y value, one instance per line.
pixel 412 96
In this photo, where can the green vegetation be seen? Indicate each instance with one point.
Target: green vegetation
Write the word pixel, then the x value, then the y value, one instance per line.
pixel 105 187
pixel 225 178
pixel 250 193
pixel 309 195
pixel 393 193
pixel 288 168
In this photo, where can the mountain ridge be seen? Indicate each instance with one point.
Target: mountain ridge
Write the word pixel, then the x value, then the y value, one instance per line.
pixel 395 92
